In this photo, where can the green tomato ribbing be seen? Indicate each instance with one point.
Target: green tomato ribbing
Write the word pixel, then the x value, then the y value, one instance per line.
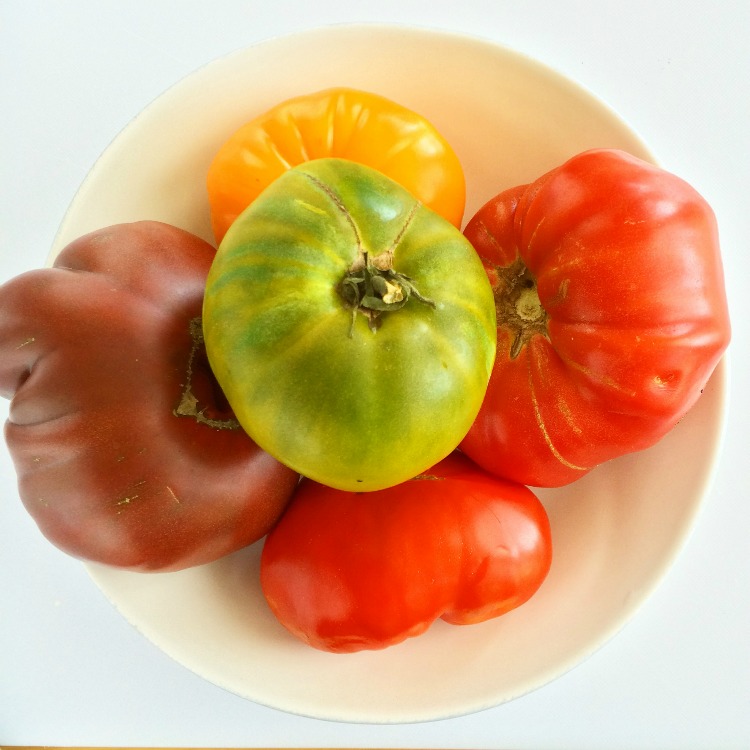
pixel 326 243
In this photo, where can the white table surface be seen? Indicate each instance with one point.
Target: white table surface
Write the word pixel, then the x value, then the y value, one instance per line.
pixel 73 672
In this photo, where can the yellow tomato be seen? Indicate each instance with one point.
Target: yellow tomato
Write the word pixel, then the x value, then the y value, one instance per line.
pixel 339 122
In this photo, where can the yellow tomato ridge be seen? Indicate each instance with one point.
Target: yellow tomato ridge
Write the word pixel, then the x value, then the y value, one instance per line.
pixel 469 373
pixel 469 304
pixel 298 343
pixel 264 270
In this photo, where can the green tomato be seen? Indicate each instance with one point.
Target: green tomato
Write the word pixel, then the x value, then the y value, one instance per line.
pixel 351 328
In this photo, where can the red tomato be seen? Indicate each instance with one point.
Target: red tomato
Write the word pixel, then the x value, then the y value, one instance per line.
pixel 611 315
pixel 346 571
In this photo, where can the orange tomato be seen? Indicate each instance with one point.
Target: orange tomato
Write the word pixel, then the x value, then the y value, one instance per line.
pixel 344 123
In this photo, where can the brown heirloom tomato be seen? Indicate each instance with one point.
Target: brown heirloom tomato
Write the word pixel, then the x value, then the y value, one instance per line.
pixel 611 315
pixel 125 450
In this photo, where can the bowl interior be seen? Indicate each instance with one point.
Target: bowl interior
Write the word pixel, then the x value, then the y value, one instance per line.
pixel 615 532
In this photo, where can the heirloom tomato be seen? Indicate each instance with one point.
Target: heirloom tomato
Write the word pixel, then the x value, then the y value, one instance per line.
pixel 125 449
pixel 347 571
pixel 351 328
pixel 339 122
pixel 611 315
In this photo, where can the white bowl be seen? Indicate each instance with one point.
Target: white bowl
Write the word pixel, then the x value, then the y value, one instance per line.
pixel 615 532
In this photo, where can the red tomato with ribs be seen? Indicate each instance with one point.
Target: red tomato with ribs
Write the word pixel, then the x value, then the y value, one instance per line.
pixel 611 315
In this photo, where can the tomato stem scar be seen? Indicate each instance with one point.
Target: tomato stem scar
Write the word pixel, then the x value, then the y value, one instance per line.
pixel 517 305
pixel 188 406
pixel 373 291
pixel 371 286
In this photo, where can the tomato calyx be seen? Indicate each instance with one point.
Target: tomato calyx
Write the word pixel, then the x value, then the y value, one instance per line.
pixel 201 386
pixel 517 304
pixel 372 287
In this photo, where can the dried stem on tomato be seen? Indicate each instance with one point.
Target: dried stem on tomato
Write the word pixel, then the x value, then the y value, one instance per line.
pixel 518 306
pixel 371 290
pixel 189 401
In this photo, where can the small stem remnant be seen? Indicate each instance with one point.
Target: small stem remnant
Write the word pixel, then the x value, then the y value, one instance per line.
pixel 518 306
pixel 188 406
pixel 373 287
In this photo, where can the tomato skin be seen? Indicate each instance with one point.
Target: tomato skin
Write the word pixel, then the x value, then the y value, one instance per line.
pixel 96 355
pixel 308 379
pixel 339 122
pixel 624 261
pixel 347 571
